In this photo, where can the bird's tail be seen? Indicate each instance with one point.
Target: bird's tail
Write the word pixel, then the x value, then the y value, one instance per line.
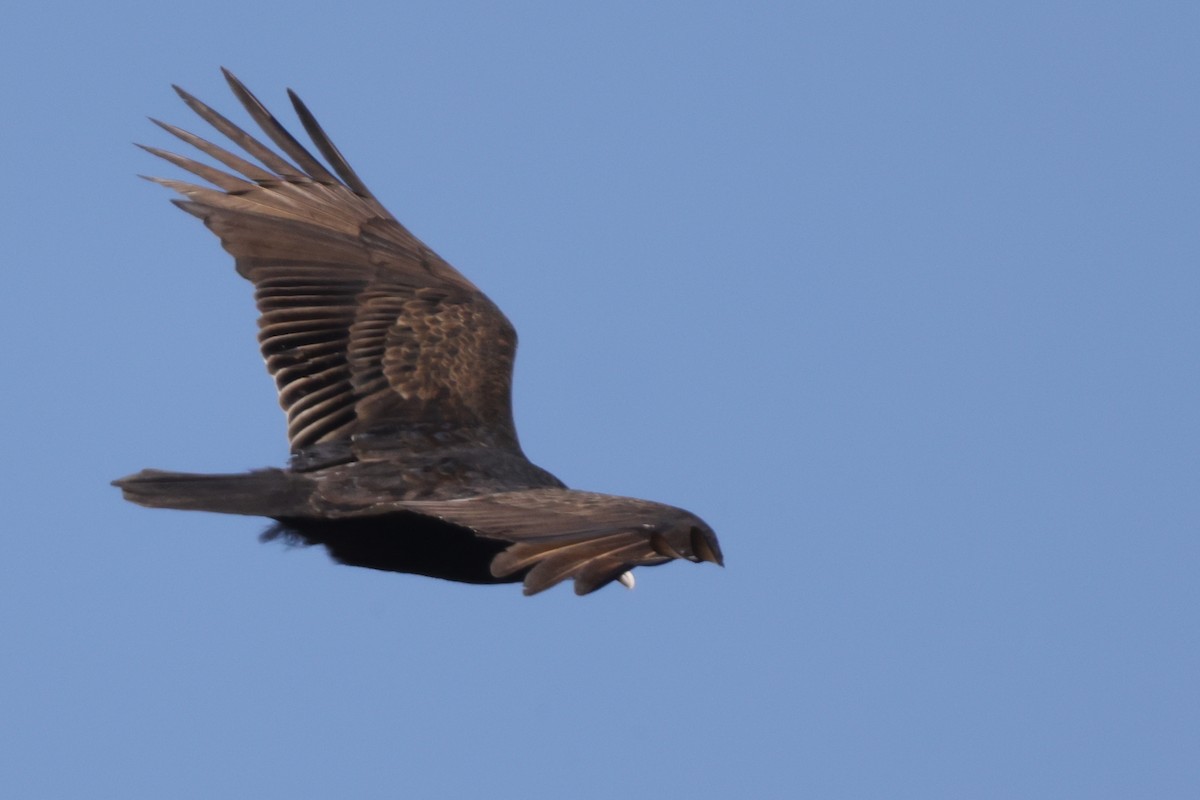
pixel 266 492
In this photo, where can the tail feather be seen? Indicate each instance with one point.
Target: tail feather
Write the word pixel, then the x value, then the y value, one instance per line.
pixel 265 493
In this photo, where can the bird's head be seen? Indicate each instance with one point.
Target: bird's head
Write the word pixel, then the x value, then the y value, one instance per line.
pixel 688 537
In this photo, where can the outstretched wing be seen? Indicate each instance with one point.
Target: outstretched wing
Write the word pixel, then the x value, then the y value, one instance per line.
pixel 592 538
pixel 361 324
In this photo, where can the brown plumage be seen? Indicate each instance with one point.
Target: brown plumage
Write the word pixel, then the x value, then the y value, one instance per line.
pixel 395 372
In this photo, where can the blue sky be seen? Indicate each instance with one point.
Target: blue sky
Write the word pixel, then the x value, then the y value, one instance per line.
pixel 901 298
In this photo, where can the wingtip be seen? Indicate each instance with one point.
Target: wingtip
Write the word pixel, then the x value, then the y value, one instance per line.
pixel 166 126
pixel 233 81
pixel 586 584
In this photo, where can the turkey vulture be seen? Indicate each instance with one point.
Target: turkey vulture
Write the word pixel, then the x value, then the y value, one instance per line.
pixel 395 372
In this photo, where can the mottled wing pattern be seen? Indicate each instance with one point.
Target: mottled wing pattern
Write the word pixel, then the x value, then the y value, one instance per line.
pixel 434 354
pixel 561 533
pixel 361 324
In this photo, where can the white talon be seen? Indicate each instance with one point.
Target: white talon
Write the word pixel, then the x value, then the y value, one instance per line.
pixel 627 580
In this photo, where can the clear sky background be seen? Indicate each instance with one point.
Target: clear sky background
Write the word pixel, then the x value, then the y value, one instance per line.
pixel 900 297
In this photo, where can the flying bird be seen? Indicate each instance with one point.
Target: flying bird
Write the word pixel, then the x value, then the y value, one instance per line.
pixel 395 373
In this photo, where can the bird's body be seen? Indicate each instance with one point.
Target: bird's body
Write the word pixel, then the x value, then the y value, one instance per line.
pixel 395 373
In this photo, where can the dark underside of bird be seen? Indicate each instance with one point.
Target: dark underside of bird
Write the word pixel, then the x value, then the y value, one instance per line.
pixel 395 373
